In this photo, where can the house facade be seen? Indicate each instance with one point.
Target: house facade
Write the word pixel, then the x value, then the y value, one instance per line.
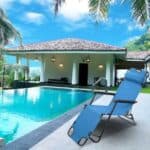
pixel 81 62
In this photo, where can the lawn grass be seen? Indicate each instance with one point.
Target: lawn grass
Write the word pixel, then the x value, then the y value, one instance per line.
pixel 144 89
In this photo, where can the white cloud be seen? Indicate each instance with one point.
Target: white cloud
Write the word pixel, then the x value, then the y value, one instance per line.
pixel 5 4
pixel 135 26
pixel 34 17
pixel 74 10
pixel 26 2
pixel 133 38
pixel 120 20
pixel 44 2
pixel 72 26
pixel 113 2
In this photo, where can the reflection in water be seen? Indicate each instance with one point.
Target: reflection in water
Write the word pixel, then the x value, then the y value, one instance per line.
pixel 33 94
pixel 21 91
pixel 33 106
pixel 41 103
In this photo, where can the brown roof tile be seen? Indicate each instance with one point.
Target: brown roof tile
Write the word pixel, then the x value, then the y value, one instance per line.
pixel 69 44
pixel 138 55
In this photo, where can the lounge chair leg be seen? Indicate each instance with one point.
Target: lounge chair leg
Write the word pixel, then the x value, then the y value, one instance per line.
pixel 95 138
pixel 129 118
pixel 98 138
pixel 82 141
pixel 70 131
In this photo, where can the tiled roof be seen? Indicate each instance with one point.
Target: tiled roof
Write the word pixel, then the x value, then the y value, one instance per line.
pixel 68 45
pixel 138 55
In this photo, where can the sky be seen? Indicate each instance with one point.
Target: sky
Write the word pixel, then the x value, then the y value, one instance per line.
pixel 36 22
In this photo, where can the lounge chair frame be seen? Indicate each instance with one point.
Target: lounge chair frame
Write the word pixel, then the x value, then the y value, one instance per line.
pixel 96 138
pixel 128 117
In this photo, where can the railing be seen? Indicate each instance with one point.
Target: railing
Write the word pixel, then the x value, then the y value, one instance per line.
pixel 95 84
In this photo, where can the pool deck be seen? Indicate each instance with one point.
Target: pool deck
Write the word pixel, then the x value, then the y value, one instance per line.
pixel 119 134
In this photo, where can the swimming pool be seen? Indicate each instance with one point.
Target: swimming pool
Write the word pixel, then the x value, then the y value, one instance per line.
pixel 24 110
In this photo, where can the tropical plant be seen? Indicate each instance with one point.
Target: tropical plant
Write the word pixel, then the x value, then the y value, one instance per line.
pixel 99 9
pixel 140 44
pixel 7 31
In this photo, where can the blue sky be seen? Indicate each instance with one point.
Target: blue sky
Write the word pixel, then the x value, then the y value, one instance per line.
pixel 36 22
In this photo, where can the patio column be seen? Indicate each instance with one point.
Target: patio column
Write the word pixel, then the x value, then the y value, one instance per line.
pixel 74 73
pixel 16 77
pixel 113 74
pixel 42 69
pixel 148 69
pixel 27 69
pixel 108 73
pixel 26 74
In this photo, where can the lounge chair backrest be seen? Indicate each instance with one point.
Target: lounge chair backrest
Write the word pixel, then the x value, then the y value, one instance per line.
pixel 129 90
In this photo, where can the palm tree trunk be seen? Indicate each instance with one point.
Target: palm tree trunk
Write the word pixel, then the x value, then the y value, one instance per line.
pixel 1 38
pixel 147 2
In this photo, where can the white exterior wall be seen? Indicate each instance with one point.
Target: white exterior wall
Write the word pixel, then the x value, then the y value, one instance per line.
pixel 53 71
pixel 109 70
pixel 148 69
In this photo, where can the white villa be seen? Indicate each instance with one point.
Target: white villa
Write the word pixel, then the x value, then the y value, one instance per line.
pixel 80 61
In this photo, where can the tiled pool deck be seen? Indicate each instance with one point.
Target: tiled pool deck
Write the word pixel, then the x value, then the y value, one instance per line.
pixel 119 135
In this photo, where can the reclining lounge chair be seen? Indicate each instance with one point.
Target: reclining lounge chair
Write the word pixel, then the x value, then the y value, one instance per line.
pixel 83 127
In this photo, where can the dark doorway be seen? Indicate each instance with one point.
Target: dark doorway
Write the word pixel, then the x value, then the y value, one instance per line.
pixel 83 74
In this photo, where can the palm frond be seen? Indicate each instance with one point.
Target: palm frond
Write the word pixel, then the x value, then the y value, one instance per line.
pixel 139 11
pixel 57 4
pixel 99 9
pixel 7 31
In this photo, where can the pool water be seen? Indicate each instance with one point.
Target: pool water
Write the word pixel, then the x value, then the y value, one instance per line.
pixel 23 110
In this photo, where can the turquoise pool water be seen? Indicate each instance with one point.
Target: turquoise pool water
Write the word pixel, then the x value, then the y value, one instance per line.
pixel 23 110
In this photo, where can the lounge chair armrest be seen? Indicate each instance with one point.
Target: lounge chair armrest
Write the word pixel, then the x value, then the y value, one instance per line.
pixel 125 101
pixel 105 93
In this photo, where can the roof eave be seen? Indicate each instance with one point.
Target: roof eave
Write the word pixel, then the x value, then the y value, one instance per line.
pixel 135 59
pixel 120 51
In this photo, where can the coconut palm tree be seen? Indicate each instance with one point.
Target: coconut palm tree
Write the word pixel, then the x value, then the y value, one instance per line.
pixel 99 9
pixel 7 31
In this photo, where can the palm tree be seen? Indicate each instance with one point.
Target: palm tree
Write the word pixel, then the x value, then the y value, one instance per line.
pixel 7 31
pixel 99 9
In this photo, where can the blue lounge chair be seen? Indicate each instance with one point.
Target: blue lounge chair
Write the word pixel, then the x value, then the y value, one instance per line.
pixel 83 127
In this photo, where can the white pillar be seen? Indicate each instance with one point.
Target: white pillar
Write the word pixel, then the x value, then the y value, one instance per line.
pixel 113 75
pixel 18 61
pixel 74 73
pixel 26 74
pixel 42 69
pixel 148 69
pixel 108 72
pixel 16 77
pixel 27 69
